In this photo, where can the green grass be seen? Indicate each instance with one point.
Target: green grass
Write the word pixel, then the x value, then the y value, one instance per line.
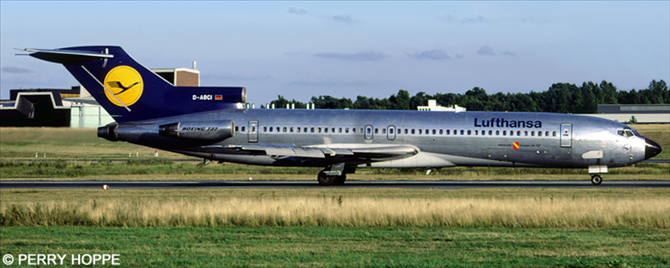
pixel 348 247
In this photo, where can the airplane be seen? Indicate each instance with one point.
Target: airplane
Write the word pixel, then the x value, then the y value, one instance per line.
pixel 214 124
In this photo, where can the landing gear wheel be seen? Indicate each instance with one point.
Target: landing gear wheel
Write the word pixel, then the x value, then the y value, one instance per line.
pixel 596 179
pixel 325 180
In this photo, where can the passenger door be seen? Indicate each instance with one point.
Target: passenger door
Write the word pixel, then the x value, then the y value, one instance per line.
pixel 566 135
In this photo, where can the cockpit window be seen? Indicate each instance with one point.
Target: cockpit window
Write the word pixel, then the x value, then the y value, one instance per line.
pixel 629 133
pixel 626 132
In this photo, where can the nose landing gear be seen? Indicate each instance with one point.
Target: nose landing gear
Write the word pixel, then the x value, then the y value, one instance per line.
pixel 596 179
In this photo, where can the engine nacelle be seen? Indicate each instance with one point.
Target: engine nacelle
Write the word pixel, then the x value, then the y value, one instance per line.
pixel 199 130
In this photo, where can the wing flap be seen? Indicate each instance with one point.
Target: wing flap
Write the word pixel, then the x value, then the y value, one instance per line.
pixel 284 150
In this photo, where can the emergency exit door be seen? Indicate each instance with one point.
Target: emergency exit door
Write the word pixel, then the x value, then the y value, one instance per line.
pixel 253 131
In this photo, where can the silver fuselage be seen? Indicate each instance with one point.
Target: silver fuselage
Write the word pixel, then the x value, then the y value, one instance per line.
pixel 441 139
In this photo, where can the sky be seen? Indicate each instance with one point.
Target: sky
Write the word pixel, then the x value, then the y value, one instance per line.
pixel 346 49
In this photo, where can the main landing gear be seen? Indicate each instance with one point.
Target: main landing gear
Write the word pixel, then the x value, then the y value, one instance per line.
pixel 596 179
pixel 330 180
pixel 334 174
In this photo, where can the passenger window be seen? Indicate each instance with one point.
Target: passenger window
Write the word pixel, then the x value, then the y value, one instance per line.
pixel 412 131
pixel 518 133
pixel 244 129
pixel 390 131
pixel 270 129
pixel 298 128
pixel 455 132
pixel 532 133
pixel 265 129
pixel 284 129
pixel 318 130
pixel 339 130
pixel 346 130
pixel 420 131
pixel 427 131
pixel 554 134
pixel 448 132
pixel 511 132
pixel 405 131
pixel 490 132
pixel 483 132
pixel 497 132
pixel 325 130
pixel 353 130
pixel 305 130
pixel 369 130
pixel 525 133
pixel 312 129
pixel 236 129
pixel 376 131
pixel 469 132
pixel 383 131
pixel 539 133
pixel 434 132
pixel 462 132
pixel 504 132
pixel 440 132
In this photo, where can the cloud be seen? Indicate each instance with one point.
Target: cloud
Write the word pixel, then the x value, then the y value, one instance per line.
pixel 435 54
pixel 298 11
pixel 361 56
pixel 345 18
pixel 507 53
pixel 486 50
pixel 16 70
pixel 478 19
pixel 445 18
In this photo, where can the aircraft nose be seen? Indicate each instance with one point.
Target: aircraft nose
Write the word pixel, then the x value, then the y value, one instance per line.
pixel 651 148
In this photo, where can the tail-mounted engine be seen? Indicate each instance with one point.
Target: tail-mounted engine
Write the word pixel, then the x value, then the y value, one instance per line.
pixel 211 131
pixel 199 130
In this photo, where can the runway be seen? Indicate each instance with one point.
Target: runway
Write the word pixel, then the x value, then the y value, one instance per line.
pixel 127 185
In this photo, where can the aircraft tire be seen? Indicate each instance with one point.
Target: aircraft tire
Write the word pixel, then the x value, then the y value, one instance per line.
pixel 596 179
pixel 325 180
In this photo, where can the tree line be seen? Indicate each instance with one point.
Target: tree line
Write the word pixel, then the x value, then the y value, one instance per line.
pixel 559 98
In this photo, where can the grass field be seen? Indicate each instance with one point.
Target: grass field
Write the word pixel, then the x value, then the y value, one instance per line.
pixel 415 227
pixel 348 246
pixel 527 208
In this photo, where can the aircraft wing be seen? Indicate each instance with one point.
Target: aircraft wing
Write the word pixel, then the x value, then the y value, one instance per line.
pixel 328 150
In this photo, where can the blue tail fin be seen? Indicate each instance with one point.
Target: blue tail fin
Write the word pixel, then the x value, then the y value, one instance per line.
pixel 129 91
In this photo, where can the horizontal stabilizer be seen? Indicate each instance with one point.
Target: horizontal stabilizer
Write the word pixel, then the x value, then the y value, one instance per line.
pixel 66 56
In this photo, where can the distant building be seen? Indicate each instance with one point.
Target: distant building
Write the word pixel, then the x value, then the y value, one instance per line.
pixel 433 106
pixel 640 113
pixel 37 107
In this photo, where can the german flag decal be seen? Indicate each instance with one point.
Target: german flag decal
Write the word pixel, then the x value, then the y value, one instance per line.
pixel 218 97
pixel 515 145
